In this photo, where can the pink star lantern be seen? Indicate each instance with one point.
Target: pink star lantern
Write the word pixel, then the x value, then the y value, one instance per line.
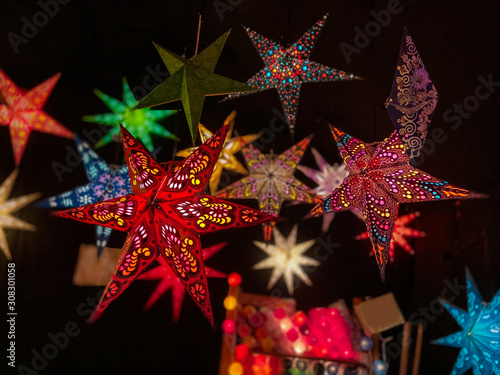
pixel 328 178
pixel 380 178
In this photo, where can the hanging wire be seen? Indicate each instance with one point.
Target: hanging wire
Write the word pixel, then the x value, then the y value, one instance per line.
pixel 198 35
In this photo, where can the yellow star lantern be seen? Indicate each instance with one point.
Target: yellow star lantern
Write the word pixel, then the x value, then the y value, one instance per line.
pixel 10 206
pixel 226 160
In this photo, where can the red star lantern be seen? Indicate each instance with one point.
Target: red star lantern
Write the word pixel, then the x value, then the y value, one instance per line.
pixel 22 112
pixel 380 178
pixel 165 216
pixel 400 235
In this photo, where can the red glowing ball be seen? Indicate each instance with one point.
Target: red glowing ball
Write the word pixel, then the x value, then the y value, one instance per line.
pixel 241 351
pixel 234 279
pixel 299 318
pixel 228 326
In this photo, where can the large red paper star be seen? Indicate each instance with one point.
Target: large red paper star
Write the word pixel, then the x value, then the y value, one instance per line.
pixel 165 216
pixel 22 112
pixel 169 280
pixel 381 177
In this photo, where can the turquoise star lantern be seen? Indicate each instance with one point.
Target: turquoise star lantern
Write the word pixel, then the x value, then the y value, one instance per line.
pixel 140 122
pixel 479 339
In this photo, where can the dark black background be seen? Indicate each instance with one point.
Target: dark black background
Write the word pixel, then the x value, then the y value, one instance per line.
pixel 95 43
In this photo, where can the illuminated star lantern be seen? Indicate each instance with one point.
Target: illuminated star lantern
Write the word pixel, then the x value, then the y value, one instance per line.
pixel 7 207
pixel 400 234
pixel 191 80
pixel 270 180
pixel 286 259
pixel 380 178
pixel 164 218
pixel 170 281
pixel 328 178
pixel 286 69
pixel 413 98
pixel 22 112
pixel 479 339
pixel 226 160
pixel 140 122
pixel 105 182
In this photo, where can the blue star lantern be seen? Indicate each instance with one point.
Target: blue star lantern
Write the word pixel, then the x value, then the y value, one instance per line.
pixel 479 339
pixel 287 68
pixel 105 182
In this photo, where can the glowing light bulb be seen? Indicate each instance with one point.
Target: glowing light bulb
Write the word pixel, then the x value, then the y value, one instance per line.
pixel 230 303
pixel 299 347
pixel 228 326
pixel 235 368
pixel 234 279
pixel 241 351
pixel 286 324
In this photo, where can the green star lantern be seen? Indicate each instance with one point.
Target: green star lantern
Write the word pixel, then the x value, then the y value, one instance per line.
pixel 140 122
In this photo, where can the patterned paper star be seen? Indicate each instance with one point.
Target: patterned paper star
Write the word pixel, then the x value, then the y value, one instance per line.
pixel 191 80
pixel 286 69
pixel 271 181
pixel 479 340
pixel 140 122
pixel 105 182
pixel 165 216
pixel 22 112
pixel 8 207
pixel 226 160
pixel 328 178
pixel 413 98
pixel 401 232
pixel 170 281
pixel 380 178
pixel 286 259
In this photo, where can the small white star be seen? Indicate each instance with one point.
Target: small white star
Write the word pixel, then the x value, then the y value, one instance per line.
pixel 285 257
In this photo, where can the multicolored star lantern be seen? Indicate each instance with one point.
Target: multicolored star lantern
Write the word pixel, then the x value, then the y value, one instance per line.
pixel 165 216
pixel 191 80
pixel 380 178
pixel 479 340
pixel 286 69
pixel 226 160
pixel 401 232
pixel 328 178
pixel 170 281
pixel 7 207
pixel 22 112
pixel 105 182
pixel 413 98
pixel 140 122
pixel 271 181
pixel 286 259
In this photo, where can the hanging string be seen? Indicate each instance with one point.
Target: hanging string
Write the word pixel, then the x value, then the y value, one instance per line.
pixel 198 35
